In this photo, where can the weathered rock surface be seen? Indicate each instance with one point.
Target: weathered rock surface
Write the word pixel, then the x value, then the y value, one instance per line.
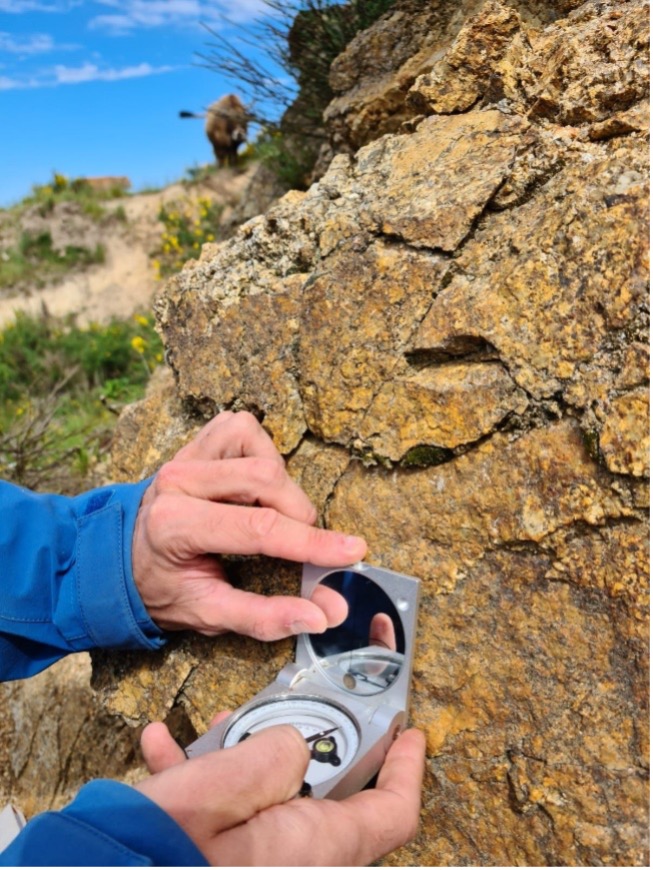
pixel 447 337
pixel 55 735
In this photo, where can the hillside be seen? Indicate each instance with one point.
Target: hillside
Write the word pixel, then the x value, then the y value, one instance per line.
pixel 130 232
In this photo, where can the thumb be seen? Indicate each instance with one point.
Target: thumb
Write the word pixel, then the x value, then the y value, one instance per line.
pixel 160 749
pixel 221 789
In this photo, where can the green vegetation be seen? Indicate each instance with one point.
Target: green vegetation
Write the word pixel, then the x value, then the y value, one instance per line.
pixel 30 259
pixel 186 228
pixel 302 38
pixel 34 261
pixel 197 174
pixel 63 189
pixel 290 160
pixel 61 387
pixel 425 455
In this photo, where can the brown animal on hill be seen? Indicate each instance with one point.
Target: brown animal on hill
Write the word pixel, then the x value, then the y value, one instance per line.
pixel 225 127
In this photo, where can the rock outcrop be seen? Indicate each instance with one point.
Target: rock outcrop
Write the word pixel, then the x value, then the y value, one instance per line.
pixel 447 337
pixel 55 735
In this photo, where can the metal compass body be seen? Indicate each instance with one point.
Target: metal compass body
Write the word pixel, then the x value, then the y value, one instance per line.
pixel 347 689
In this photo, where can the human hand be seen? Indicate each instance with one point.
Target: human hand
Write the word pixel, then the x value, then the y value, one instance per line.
pixel 238 804
pixel 228 492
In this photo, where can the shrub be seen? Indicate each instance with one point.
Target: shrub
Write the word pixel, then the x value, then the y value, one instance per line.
pixel 186 228
pixel 60 389
pixel 36 353
pixel 301 38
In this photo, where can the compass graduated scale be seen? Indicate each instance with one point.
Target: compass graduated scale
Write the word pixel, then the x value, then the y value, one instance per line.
pixel 347 690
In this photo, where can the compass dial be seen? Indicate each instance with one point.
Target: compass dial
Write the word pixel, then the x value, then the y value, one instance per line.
pixel 331 735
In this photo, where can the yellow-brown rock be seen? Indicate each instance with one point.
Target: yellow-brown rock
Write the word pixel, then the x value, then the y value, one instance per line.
pixel 544 281
pixel 447 406
pixel 589 64
pixel 56 734
pixel 474 64
pixel 487 487
pixel 149 432
pixel 447 337
pixel 423 199
pixel 359 313
pixel 624 441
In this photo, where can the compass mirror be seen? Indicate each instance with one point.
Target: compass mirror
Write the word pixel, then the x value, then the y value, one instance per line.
pixel 365 653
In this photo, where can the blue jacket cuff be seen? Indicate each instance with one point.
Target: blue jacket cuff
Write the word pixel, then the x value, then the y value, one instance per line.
pixel 111 607
pixel 108 824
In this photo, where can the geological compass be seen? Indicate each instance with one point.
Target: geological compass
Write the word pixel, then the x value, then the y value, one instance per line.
pixel 348 688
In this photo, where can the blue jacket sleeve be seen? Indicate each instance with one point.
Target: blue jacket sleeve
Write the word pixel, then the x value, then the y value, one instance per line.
pixel 107 825
pixel 66 580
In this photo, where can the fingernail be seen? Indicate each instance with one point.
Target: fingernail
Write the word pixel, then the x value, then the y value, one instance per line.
pixel 299 627
pixel 354 544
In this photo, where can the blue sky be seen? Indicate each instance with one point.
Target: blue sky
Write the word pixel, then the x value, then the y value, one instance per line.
pixel 94 87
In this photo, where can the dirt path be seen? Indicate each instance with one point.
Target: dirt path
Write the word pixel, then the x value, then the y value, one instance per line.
pixel 126 281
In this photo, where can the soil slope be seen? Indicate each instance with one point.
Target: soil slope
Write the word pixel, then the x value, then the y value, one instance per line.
pixel 126 281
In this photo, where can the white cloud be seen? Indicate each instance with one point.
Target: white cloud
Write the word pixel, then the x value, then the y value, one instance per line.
pixel 7 84
pixel 87 72
pixel 90 72
pixel 20 7
pixel 36 43
pixel 133 14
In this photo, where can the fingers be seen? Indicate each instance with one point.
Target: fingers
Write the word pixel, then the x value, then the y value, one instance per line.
pixel 160 749
pixel 379 820
pixel 400 778
pixel 331 603
pixel 231 435
pixel 228 493
pixel 223 714
pixel 263 618
pixel 352 832
pixel 396 799
pixel 238 481
pixel 386 817
pixel 382 631
pixel 201 526
pixel 221 789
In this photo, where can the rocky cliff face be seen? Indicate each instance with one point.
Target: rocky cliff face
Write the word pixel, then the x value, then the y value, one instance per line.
pixel 447 337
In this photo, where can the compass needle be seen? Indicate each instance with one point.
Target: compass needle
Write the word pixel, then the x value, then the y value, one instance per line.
pixel 320 734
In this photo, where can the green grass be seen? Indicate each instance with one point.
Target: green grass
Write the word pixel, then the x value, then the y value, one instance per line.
pixel 61 388
pixel 78 190
pixel 291 160
pixel 198 174
pixel 34 261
